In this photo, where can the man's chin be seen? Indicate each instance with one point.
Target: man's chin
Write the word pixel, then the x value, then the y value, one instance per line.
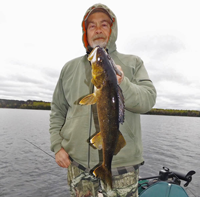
pixel 101 44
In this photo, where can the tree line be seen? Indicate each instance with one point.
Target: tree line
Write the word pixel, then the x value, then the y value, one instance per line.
pixel 29 104
pixel 32 104
pixel 174 112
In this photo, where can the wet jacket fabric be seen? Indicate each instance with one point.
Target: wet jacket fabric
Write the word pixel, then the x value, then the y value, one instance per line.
pixel 72 125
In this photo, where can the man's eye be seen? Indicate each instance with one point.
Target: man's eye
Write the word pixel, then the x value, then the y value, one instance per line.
pixel 92 26
pixel 105 25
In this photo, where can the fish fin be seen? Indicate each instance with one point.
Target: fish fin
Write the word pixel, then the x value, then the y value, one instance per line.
pixel 89 100
pixel 120 143
pixel 121 105
pixel 104 174
pixel 97 141
pixel 117 71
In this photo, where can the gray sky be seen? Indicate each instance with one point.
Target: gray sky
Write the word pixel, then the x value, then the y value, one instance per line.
pixel 37 37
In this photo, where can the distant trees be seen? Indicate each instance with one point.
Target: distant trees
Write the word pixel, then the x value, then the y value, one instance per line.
pixel 29 104
pixel 36 105
pixel 174 112
pixel 32 104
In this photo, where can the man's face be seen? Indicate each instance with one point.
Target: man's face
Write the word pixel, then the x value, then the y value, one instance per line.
pixel 98 29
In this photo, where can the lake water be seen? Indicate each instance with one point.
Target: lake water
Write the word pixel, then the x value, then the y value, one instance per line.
pixel 26 171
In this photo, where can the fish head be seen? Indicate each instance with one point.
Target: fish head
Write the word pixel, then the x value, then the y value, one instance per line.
pixel 99 59
pixel 95 57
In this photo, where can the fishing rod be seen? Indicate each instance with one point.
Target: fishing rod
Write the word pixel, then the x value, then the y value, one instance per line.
pixel 72 161
pixel 40 149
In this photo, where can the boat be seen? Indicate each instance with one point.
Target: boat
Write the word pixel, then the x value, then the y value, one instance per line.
pixel 166 184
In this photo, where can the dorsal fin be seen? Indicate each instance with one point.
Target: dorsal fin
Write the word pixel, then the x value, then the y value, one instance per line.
pixel 121 105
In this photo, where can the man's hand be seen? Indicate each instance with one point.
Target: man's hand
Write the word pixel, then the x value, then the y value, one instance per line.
pixel 120 78
pixel 62 158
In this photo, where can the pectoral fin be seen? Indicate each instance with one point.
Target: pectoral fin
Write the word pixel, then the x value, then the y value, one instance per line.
pixel 89 100
pixel 120 143
pixel 97 141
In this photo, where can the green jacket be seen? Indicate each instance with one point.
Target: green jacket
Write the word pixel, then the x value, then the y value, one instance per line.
pixel 72 125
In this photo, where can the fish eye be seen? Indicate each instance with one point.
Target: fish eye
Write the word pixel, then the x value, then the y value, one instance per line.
pixel 99 59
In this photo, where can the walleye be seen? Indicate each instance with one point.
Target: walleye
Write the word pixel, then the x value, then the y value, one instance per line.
pixel 110 108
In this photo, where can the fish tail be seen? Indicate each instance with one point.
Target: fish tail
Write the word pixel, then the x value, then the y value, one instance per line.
pixel 104 174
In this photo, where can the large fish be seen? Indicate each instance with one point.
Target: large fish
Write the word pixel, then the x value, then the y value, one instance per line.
pixel 110 108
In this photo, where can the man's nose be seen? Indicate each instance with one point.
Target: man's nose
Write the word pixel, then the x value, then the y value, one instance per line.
pixel 98 29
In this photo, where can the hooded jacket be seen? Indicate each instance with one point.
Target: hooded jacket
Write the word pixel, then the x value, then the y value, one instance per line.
pixel 72 125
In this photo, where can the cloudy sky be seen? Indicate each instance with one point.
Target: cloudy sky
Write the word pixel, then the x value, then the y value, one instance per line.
pixel 37 37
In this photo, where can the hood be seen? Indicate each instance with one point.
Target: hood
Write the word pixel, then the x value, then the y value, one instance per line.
pixel 111 46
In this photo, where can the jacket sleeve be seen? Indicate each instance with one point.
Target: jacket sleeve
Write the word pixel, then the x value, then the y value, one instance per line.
pixel 59 108
pixel 138 90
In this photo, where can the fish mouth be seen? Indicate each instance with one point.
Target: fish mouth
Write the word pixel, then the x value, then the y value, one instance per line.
pixel 97 54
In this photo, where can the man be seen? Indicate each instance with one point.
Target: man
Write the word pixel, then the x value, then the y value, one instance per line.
pixel 72 125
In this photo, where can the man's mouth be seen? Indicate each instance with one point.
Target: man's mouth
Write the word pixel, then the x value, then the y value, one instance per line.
pixel 100 38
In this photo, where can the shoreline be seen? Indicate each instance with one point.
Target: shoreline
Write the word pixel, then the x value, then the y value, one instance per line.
pixel 42 105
